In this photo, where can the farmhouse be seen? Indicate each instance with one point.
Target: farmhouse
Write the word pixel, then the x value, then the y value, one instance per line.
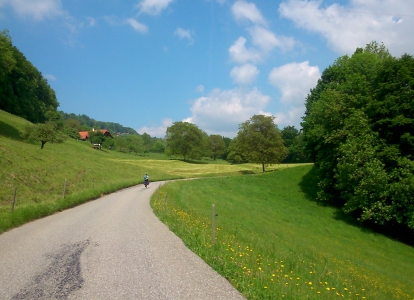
pixel 84 135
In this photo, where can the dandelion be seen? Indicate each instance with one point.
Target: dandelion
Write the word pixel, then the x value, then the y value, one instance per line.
pixel 265 287
pixel 310 283
pixel 328 289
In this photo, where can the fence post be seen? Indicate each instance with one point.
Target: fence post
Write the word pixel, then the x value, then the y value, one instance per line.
pixel 64 189
pixel 213 224
pixel 14 198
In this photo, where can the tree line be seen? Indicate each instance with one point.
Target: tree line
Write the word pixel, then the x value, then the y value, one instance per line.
pixel 359 131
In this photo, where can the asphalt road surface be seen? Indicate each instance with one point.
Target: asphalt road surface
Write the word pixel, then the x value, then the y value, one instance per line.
pixel 110 248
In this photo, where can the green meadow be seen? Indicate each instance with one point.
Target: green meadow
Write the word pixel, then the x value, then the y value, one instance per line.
pixel 273 240
pixel 61 176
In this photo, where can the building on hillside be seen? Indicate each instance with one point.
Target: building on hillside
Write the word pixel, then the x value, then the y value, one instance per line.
pixel 84 135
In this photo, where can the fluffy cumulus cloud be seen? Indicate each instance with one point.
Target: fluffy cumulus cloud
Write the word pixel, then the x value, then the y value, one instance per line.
pixel 347 27
pixel 153 7
pixel 156 131
pixel 294 80
pixel 267 40
pixel 137 26
pixel 184 34
pixel 262 39
pixel 243 11
pixel 36 9
pixel 244 74
pixel 222 111
pixel 240 54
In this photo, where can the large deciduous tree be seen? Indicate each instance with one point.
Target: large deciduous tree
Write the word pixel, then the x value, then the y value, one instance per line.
pixel 359 129
pixel 185 139
pixel 260 141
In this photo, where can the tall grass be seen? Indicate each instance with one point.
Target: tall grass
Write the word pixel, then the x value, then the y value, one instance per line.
pixel 274 242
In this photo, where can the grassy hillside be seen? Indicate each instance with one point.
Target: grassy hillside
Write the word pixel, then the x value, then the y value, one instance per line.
pixel 274 241
pixel 40 174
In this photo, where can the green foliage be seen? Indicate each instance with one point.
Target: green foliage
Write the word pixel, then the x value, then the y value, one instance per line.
pixel 186 140
pixel 235 154
pixel 359 132
pixel 135 144
pixel 87 123
pixel 43 133
pixel 159 147
pixel 294 141
pixel 260 141
pixel 216 145
pixel 23 90
pixel 289 133
pixel 96 137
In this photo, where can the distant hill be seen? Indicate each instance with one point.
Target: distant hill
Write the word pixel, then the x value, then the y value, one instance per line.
pixel 86 121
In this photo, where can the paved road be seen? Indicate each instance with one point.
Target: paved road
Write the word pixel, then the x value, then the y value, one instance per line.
pixel 110 248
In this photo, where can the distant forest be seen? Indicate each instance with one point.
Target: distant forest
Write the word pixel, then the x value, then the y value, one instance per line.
pixel 88 123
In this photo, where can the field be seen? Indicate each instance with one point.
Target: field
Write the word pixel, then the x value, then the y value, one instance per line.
pixel 78 173
pixel 274 241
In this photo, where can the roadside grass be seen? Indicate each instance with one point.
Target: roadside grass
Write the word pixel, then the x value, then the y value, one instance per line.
pixel 40 174
pixel 274 242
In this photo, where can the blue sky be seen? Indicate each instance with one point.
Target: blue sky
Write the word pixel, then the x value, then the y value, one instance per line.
pixel 215 63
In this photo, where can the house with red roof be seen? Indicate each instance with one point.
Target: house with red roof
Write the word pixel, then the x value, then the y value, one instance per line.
pixel 84 135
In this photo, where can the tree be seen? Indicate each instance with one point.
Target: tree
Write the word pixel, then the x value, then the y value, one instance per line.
pixel 159 146
pixel 96 137
pixel 235 155
pixel 289 133
pixel 260 140
pixel 358 131
pixel 184 139
pixel 216 145
pixel 135 143
pixel 44 132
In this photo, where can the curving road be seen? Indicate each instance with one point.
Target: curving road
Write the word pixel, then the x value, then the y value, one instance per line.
pixel 110 248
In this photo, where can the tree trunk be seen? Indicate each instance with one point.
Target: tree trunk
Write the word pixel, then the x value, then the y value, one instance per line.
pixel 263 168
pixel 43 143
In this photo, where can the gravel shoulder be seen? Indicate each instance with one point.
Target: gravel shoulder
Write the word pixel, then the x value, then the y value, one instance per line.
pixel 110 248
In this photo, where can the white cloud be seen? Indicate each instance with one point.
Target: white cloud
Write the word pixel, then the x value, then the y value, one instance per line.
pixel 200 88
pixel 293 117
pixel 347 27
pixel 267 40
pixel 222 111
pixel 50 77
pixel 156 131
pixel 153 7
pixel 244 74
pixel 139 27
pixel 36 9
pixel 294 80
pixel 240 54
pixel 184 34
pixel 244 11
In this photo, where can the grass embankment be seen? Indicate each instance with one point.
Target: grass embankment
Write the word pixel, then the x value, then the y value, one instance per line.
pixel 274 241
pixel 40 174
